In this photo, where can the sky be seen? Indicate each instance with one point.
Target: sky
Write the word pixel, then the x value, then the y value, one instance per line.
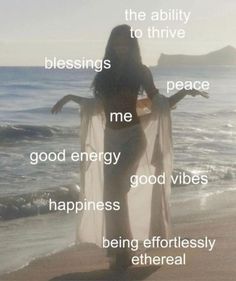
pixel 31 30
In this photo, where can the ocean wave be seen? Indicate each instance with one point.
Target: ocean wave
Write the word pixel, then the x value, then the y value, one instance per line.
pixel 47 110
pixel 32 204
pixel 213 175
pixel 15 133
pixel 10 134
pixel 221 113
pixel 24 86
pixel 37 203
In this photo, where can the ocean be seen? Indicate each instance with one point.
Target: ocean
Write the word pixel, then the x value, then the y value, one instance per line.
pixel 204 134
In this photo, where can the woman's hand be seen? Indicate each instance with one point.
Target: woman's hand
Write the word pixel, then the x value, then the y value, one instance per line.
pixel 59 105
pixel 195 93
pixel 174 99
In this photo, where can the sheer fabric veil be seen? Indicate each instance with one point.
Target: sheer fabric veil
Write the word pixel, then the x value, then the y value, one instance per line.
pixel 149 209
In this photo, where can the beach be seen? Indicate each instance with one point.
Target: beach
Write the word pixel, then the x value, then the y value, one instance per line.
pixel 87 262
pixel 117 140
pixel 204 142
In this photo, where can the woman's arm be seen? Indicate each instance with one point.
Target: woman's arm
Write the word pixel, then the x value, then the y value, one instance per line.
pixel 151 89
pixel 59 105
pixel 148 83
pixel 174 99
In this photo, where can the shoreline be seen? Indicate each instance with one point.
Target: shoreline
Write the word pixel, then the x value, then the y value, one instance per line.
pixel 89 262
pixel 28 263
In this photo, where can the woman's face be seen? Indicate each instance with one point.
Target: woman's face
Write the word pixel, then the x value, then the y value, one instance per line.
pixel 121 45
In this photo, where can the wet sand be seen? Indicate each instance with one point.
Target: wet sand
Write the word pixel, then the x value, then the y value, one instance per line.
pixel 87 262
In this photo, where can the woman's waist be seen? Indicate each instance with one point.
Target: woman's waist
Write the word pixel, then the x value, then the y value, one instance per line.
pixel 118 121
pixel 124 130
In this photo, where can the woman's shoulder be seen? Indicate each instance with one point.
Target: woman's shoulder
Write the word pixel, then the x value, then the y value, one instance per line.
pixel 145 71
pixel 144 68
pixel 146 76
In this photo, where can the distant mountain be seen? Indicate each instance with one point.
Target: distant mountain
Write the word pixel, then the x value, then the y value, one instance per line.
pixel 224 56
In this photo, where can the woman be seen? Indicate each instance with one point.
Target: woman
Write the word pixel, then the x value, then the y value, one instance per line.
pixel 116 90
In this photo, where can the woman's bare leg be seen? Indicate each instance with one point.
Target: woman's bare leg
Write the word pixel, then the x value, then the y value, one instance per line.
pixel 116 188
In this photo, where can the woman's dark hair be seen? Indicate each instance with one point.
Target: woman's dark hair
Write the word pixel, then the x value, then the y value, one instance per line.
pixel 110 81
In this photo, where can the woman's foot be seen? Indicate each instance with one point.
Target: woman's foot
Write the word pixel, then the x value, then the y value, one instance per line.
pixel 121 261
